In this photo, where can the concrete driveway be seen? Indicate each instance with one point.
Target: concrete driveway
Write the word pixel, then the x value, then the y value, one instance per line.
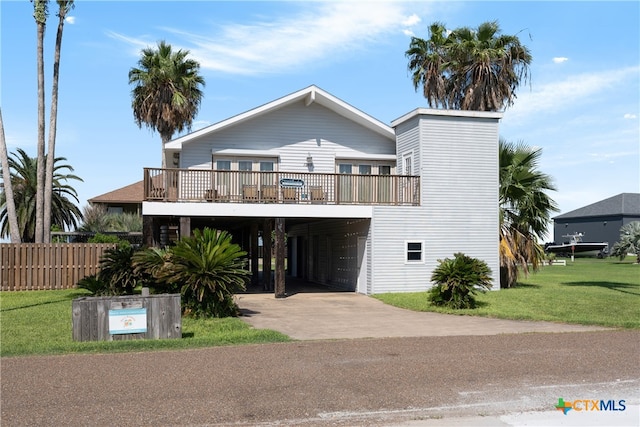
pixel 339 315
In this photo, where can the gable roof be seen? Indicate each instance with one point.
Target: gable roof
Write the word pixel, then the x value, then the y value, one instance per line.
pixel 622 204
pixel 311 94
pixel 132 193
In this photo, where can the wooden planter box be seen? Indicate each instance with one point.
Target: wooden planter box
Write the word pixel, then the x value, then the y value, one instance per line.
pixel 126 317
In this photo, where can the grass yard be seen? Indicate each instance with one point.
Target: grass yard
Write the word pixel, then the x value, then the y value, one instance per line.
pixel 588 291
pixel 39 322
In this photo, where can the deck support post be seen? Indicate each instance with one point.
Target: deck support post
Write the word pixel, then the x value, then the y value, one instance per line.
pixel 280 255
pixel 267 228
pixel 253 245
pixel 185 227
pixel 147 231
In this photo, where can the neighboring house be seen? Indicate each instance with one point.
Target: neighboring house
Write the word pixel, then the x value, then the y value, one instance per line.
pixel 366 207
pixel 600 221
pixel 127 199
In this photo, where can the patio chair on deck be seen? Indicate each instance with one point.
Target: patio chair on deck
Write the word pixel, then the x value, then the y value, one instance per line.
pixel 269 193
pixel 317 194
pixel 290 195
pixel 250 193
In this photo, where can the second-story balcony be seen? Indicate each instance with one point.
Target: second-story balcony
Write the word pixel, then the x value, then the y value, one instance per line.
pixel 224 186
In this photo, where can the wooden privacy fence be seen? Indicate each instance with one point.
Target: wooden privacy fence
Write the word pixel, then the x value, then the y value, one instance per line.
pixel 46 266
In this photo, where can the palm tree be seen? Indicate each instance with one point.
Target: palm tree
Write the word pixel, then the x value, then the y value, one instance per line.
pixel 167 92
pixel 427 61
pixel 8 188
pixel 40 12
pixel 629 242
pixel 64 213
pixel 64 6
pixel 525 210
pixel 469 69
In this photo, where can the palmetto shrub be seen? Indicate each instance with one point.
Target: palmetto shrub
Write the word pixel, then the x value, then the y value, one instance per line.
pixel 457 281
pixel 207 268
pixel 150 264
pixel 116 275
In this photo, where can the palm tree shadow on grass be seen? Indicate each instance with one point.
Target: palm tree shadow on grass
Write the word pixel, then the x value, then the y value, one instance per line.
pixel 614 286
pixel 62 299
pixel 524 286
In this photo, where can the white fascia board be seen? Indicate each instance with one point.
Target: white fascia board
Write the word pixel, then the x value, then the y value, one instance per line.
pixel 448 113
pixel 256 210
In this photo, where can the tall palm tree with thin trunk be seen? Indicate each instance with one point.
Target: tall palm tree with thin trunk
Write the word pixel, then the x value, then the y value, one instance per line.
pixel 64 212
pixel 525 210
pixel 469 69
pixel 167 91
pixel 427 60
pixel 12 219
pixel 64 6
pixel 40 12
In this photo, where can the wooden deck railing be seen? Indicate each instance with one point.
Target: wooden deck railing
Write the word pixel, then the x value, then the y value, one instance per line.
pixel 190 185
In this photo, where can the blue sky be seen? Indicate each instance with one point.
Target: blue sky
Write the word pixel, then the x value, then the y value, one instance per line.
pixel 582 106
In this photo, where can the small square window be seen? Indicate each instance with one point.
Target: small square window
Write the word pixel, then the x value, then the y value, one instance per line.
pixel 414 251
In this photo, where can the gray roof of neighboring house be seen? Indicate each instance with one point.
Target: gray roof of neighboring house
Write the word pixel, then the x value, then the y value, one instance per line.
pixel 622 204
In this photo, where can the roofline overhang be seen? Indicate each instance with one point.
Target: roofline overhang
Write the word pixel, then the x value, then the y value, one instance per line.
pixel 495 115
pixel 309 95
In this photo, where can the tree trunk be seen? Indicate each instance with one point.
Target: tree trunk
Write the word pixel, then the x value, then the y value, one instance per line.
pixel 40 174
pixel 14 231
pixel 53 123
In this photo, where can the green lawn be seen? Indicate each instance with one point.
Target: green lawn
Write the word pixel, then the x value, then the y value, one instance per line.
pixel 588 291
pixel 39 322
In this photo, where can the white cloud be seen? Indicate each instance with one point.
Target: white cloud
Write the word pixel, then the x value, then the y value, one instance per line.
pixel 411 21
pixel 555 96
pixel 70 20
pixel 630 116
pixel 560 59
pixel 319 32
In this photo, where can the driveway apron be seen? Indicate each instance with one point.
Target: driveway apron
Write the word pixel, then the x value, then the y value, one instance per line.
pixel 340 315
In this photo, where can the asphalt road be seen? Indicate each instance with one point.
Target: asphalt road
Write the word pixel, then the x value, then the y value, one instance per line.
pixel 389 381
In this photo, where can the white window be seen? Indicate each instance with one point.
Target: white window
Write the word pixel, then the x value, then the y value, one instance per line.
pixel 245 165
pixel 266 166
pixel 414 251
pixel 344 168
pixel 223 165
pixel 407 164
pixel 364 169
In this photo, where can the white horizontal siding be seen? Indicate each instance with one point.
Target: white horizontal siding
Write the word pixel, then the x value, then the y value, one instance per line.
pixel 459 169
pixel 294 132
pixel 391 228
pixel 408 141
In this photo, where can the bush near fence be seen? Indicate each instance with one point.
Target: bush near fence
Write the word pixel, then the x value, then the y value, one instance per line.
pixel 43 266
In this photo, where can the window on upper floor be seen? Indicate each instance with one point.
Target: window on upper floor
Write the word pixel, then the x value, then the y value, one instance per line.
pixel 361 167
pixel 245 164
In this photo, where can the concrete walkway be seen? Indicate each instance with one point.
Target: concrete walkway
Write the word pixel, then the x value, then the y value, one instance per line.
pixel 339 315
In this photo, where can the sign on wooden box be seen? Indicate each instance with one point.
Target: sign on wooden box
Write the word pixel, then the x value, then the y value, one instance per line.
pixel 126 317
